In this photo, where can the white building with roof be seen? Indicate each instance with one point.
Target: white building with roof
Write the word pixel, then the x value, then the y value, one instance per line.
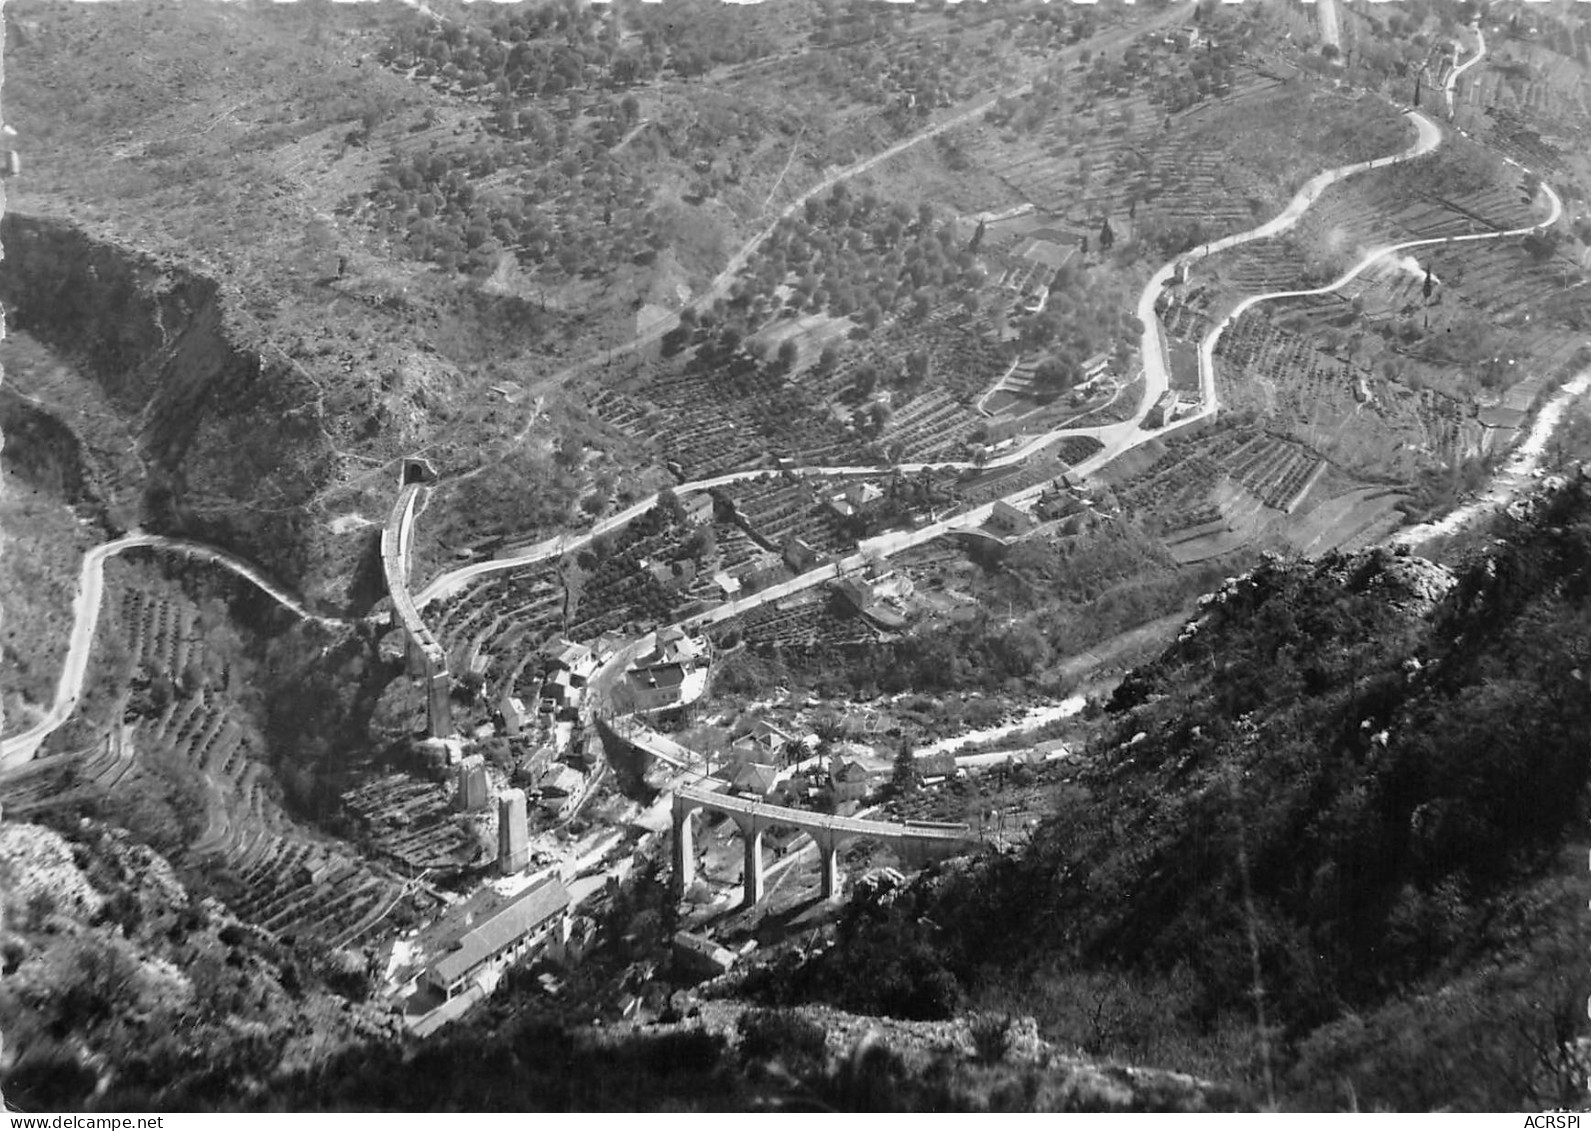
pixel 487 933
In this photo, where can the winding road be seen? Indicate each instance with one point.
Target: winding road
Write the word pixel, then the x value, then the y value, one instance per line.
pixel 1207 346
pixel 20 748
pixel 1430 137
pixel 1115 438
pixel 719 287
pixel 1450 87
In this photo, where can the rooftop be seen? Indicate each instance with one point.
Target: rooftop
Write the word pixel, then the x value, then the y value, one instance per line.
pixel 755 777
pixel 562 779
pixel 486 923
pixel 567 654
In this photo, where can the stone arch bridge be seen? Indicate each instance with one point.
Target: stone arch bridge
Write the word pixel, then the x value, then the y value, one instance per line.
pixel 915 842
pixel 425 653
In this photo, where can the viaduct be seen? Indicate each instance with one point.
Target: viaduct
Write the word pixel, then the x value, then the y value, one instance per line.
pixel 426 656
pixel 916 842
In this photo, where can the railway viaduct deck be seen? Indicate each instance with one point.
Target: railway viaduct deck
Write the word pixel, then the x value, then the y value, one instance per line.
pixel 920 842
pixel 424 650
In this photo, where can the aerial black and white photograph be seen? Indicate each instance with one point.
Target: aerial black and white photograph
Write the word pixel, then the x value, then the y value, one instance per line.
pixel 795 556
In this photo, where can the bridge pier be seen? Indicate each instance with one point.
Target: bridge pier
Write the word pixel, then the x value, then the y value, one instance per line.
pixel 438 697
pixel 915 841
pixel 751 836
pixel 828 861
pixel 439 705
pixel 684 846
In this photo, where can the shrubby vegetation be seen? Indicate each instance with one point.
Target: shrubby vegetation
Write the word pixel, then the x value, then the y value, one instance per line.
pixel 1340 801
pixel 1088 312
pixel 154 1001
pixel 854 256
pixel 1041 603
pixel 1440 489
pixel 548 49
pixel 601 217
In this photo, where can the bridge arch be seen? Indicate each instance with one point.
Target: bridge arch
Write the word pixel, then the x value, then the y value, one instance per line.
pixel 828 833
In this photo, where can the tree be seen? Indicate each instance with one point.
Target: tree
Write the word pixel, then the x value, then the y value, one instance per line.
pixel 674 340
pixel 1055 374
pixel 866 378
pixel 1542 245
pixel 701 545
pixel 1107 237
pixel 789 353
pixel 668 506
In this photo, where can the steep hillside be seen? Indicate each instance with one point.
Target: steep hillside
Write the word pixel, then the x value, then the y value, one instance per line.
pixel 1328 847
pixel 122 982
pixel 156 340
pixel 1326 854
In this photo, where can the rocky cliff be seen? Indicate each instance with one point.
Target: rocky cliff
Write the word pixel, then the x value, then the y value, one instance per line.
pixel 230 444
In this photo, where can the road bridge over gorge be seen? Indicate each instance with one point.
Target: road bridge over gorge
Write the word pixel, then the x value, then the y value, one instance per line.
pixel 425 652
pixel 916 842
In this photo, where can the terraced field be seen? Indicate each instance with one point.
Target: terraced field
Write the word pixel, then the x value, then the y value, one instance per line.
pixel 712 421
pixel 736 415
pixel 411 823
pixel 1532 80
pixel 777 510
pixel 735 547
pixel 65 779
pixel 182 710
pixel 1507 286
pixel 507 616
pixel 1045 166
pixel 1353 415
pixel 805 623
pixel 933 420
pixel 1179 490
pixel 1051 463
pixel 496 614
pixel 1207 172
pixel 1459 189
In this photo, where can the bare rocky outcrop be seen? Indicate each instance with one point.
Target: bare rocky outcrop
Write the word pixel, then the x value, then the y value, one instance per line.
pixel 38 863
pixel 1411 587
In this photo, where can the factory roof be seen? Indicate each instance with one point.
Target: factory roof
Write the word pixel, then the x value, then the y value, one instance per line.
pixel 490 932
